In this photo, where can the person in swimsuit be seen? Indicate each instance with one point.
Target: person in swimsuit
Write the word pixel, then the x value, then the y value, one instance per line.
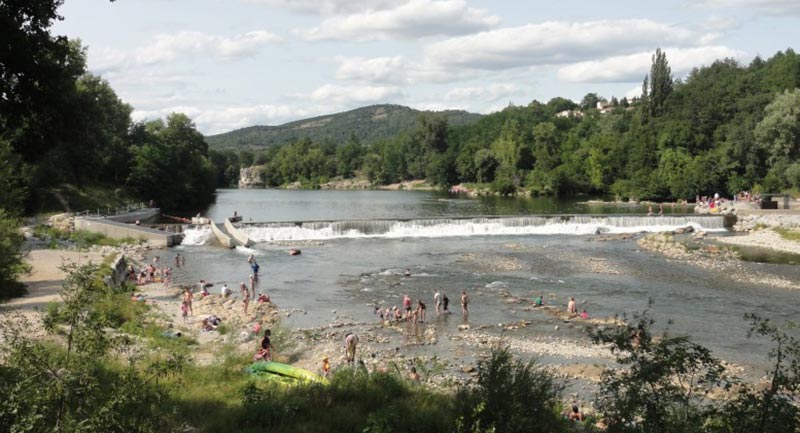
pixel 421 310
pixel 445 303
pixel 407 306
pixel 571 308
pixel 464 303
pixel 187 299
pixel 265 352
pixel 350 344
pixel 437 302
pixel 245 299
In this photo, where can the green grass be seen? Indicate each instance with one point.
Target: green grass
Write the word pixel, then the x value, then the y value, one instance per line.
pixel 788 234
pixel 222 398
pixel 82 238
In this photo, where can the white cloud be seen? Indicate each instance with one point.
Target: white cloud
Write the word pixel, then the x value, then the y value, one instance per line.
pixel 168 47
pixel 416 18
pixel 721 24
pixel 105 60
pixel 634 67
pixel 490 93
pixel 555 42
pixel 769 6
pixel 375 70
pixel 221 119
pixel 329 7
pixel 635 92
pixel 346 95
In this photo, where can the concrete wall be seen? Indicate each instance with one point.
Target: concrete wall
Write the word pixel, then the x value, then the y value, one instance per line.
pixel 145 214
pixel 222 237
pixel 237 234
pixel 118 230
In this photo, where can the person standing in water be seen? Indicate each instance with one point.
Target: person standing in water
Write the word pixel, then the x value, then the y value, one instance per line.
pixel 350 344
pixel 571 308
pixel 253 285
pixel 445 303
pixel 437 302
pixel 464 304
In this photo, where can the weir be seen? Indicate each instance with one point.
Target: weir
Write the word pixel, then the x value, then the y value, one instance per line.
pixel 483 225
pixel 228 235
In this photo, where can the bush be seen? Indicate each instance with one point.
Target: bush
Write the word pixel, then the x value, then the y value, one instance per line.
pixel 12 263
pixel 511 396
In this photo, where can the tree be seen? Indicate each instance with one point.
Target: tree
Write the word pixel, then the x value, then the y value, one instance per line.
pixel 171 165
pixel 770 409
pixel 81 386
pixel 11 256
pixel 511 396
pixel 12 179
pixel 589 102
pixel 665 385
pixel 660 84
pixel 778 134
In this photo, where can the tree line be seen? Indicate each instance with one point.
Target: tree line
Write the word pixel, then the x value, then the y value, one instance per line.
pixel 62 127
pixel 725 128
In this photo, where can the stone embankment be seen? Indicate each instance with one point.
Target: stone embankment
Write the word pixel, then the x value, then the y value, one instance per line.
pixel 723 261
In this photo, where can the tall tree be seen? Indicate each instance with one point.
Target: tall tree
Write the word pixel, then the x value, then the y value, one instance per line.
pixel 660 83
pixel 779 132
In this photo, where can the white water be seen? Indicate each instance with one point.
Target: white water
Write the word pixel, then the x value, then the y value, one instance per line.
pixel 538 225
pixel 197 235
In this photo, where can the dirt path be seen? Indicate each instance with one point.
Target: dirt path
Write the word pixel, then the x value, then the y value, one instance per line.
pixel 44 281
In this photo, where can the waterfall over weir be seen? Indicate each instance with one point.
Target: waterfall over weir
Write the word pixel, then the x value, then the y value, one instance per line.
pixel 478 226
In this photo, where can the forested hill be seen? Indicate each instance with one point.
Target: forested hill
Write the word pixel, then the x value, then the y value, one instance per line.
pixel 368 124
pixel 724 128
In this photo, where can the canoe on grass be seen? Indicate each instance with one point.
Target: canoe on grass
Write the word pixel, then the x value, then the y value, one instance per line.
pixel 281 371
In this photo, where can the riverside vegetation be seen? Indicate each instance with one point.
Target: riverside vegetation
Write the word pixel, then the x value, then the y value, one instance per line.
pixel 725 128
pixel 106 365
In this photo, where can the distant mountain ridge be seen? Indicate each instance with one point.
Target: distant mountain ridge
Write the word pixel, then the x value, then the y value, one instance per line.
pixel 368 124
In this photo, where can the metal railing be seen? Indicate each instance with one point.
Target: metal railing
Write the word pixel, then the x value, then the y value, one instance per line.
pixel 111 211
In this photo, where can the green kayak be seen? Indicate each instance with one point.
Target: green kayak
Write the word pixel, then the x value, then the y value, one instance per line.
pixel 283 372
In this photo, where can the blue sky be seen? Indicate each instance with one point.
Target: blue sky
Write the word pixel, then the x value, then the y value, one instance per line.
pixel 235 63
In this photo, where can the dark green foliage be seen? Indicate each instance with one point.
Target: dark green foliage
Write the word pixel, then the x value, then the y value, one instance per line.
pixel 666 382
pixel 725 128
pixel 80 386
pixel 511 396
pixel 771 409
pixel 11 256
pixel 61 125
pixel 171 165
pixel 660 84
pixel 367 125
pixel 355 401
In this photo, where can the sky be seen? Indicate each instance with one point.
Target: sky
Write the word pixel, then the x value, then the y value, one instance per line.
pixel 229 64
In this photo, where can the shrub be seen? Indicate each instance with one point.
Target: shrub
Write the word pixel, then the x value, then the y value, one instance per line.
pixel 511 396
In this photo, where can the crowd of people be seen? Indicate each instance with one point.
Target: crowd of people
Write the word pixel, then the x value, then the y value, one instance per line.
pixel 150 273
pixel 408 311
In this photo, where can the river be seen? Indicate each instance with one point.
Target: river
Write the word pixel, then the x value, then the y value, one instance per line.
pixel 350 261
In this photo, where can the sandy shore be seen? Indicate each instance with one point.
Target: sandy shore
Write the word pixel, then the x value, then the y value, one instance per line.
pixel 44 281
pixel 763 239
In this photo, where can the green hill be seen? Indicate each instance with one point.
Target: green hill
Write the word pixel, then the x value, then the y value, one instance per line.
pixel 368 124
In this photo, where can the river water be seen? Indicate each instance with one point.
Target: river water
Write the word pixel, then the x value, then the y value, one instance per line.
pixel 357 244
